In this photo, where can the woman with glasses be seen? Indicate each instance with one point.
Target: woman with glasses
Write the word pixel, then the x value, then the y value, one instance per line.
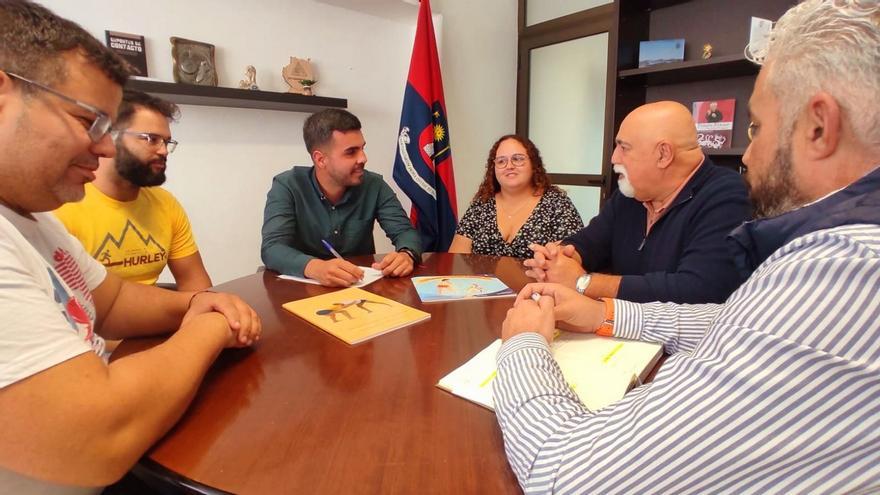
pixel 516 205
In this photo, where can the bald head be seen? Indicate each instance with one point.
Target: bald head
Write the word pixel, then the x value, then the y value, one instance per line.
pixel 656 150
pixel 668 121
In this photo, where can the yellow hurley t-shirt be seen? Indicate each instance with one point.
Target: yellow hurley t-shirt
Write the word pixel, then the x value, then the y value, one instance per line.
pixel 133 239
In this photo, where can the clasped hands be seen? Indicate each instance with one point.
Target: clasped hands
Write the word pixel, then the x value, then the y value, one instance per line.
pixel 554 263
pixel 244 324
pixel 558 306
pixel 338 272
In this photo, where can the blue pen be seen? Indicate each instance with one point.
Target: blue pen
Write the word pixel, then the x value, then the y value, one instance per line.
pixel 330 248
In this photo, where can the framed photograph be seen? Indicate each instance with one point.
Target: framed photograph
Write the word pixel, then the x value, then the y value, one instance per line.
pixel 714 119
pixel 660 52
pixel 193 62
pixel 130 47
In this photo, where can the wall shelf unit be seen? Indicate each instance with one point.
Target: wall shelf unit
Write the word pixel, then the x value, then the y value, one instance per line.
pixel 728 74
pixel 189 94
pixel 691 70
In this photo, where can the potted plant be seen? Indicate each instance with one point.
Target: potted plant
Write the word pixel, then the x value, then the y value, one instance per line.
pixel 307 86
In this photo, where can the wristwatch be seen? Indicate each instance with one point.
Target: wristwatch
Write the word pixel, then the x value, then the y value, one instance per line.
pixel 582 283
pixel 415 258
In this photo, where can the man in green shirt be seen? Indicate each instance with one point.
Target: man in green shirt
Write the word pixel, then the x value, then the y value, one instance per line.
pixel 335 201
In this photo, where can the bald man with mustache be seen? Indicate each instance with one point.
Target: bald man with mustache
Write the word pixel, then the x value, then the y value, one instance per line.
pixel 662 235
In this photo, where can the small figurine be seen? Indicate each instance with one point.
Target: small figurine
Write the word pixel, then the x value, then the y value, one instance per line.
pixel 707 51
pixel 250 79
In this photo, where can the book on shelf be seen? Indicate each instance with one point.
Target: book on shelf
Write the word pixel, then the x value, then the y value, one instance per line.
pixel 714 119
pixel 355 315
pixel 460 287
pixel 600 370
pixel 131 47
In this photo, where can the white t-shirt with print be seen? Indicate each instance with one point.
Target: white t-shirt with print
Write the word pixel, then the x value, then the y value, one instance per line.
pixel 46 306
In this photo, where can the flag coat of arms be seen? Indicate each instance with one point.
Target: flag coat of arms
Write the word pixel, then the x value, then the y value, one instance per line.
pixel 423 162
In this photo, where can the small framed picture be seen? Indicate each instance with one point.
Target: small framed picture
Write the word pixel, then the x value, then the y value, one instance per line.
pixel 193 62
pixel 660 52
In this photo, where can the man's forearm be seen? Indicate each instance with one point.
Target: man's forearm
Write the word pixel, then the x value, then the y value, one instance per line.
pixel 528 385
pixel 286 260
pixel 678 327
pixel 85 423
pixel 142 310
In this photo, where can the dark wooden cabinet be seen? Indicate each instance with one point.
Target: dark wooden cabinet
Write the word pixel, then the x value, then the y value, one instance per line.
pixel 724 24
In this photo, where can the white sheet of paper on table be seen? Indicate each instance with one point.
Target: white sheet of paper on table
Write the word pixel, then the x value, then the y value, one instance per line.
pixel 370 276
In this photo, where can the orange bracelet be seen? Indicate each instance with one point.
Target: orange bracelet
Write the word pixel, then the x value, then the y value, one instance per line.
pixel 606 329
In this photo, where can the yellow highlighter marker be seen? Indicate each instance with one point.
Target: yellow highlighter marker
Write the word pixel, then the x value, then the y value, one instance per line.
pixel 612 353
pixel 489 379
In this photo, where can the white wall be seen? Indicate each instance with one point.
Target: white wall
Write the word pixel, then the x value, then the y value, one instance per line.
pixel 227 157
pixel 479 42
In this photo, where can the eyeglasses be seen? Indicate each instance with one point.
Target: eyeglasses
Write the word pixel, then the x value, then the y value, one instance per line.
pixel 752 130
pixel 98 128
pixel 517 160
pixel 153 140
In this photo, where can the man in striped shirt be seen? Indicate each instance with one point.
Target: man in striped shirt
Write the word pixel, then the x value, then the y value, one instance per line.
pixel 778 389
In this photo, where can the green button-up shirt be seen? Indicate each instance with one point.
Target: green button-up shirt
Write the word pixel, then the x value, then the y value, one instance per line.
pixel 298 216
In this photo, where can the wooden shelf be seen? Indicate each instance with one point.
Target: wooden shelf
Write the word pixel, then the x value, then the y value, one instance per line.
pixel 190 94
pixel 726 152
pixel 691 70
pixel 652 4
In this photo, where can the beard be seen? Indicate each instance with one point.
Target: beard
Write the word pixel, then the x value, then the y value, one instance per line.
pixel 137 171
pixel 623 183
pixel 777 193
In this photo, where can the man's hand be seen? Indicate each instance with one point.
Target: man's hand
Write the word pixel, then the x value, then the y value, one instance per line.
pixel 214 320
pixel 244 322
pixel 526 315
pixel 333 273
pixel 554 263
pixel 573 311
pixel 397 264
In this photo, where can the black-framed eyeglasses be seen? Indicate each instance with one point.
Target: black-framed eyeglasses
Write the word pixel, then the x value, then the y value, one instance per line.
pixel 517 160
pixel 752 130
pixel 152 140
pixel 99 127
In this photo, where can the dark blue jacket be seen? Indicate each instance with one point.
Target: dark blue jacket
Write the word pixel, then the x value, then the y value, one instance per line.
pixel 685 258
pixel 753 242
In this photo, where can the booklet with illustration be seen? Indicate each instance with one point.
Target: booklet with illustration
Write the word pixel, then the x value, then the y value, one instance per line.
pixel 458 287
pixel 600 370
pixel 355 315
pixel 714 119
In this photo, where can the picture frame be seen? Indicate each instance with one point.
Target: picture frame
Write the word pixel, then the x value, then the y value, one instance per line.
pixel 660 52
pixel 193 62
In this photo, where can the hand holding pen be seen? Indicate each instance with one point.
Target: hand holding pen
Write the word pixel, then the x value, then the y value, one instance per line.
pixel 335 272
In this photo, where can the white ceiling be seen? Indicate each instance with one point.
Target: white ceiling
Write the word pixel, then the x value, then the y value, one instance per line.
pixel 398 10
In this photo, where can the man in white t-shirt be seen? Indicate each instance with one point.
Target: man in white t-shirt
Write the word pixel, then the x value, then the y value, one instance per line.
pixel 71 422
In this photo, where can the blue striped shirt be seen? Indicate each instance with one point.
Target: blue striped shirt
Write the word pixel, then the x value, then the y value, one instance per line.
pixel 775 391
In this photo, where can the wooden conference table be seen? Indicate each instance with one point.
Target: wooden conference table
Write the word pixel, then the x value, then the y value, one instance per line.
pixel 303 412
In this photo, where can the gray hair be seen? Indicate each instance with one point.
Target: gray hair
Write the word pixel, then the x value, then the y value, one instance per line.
pixel 831 46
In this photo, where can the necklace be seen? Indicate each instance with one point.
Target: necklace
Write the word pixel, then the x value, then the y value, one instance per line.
pixel 512 213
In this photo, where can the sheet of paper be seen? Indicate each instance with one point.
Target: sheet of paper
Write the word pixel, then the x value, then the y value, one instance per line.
pixel 370 276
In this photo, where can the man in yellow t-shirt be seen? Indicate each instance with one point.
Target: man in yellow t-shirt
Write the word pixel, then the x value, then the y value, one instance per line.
pixel 128 223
